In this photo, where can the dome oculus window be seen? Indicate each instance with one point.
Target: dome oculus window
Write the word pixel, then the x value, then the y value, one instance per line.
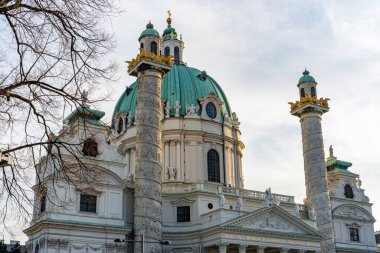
pixel 211 110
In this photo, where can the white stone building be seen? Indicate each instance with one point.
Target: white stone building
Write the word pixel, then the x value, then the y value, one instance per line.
pixel 205 207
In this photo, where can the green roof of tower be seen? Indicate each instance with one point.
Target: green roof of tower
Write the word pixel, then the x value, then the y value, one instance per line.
pixel 149 31
pixel 306 78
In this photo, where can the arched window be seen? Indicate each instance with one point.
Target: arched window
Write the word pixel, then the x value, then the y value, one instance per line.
pixel 312 90
pixel 176 55
pixel 213 166
pixel 153 47
pixel 348 191
pixel 167 51
pixel 126 123
pixel 142 45
pixel 302 92
pixel 120 125
pixel 90 148
pixel 37 249
pixel 43 203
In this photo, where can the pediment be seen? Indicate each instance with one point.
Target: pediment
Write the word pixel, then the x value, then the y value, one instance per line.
pixel 353 212
pixel 272 219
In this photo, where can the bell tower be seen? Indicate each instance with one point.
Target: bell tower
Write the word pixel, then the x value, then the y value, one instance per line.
pixel 310 110
pixel 171 45
pixel 149 67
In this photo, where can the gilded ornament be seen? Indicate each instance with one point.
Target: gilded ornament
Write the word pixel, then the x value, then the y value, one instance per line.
pixel 145 55
pixel 308 99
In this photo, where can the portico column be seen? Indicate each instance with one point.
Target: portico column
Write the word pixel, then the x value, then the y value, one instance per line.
pixel 242 248
pixel 260 249
pixel 223 247
pixel 166 159
pixel 285 250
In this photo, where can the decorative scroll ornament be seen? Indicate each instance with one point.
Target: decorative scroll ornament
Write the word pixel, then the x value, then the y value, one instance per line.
pixel 145 55
pixel 308 99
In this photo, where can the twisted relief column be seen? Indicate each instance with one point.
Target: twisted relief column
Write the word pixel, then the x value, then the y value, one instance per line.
pixel 316 176
pixel 148 206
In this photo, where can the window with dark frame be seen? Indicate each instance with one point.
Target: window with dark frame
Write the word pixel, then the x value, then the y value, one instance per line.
pixel 176 55
pixel 354 234
pixel 120 125
pixel 90 148
pixel 348 191
pixel 302 92
pixel 167 51
pixel 153 47
pixel 213 166
pixel 312 91
pixel 211 110
pixel 183 213
pixel 43 203
pixel 87 203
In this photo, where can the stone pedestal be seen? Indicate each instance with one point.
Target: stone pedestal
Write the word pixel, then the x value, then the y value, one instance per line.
pixel 148 206
pixel 316 176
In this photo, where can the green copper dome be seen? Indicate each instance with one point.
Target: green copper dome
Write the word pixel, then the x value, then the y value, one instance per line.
pixel 149 31
pixel 306 78
pixel 169 33
pixel 181 83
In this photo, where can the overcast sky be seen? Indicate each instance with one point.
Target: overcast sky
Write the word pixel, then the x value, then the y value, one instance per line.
pixel 257 51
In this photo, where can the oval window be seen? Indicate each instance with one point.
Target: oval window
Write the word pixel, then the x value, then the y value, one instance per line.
pixel 211 110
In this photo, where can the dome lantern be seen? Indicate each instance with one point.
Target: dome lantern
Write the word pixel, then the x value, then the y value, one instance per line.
pixel 307 85
pixel 150 39
pixel 171 45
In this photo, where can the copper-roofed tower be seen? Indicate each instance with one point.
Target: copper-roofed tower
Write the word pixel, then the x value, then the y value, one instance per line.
pixel 310 109
pixel 171 45
pixel 149 67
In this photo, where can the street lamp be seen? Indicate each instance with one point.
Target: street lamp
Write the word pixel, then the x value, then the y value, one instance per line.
pixel 162 242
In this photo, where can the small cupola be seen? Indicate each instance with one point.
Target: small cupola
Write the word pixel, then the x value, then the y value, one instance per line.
pixel 171 45
pixel 307 85
pixel 150 39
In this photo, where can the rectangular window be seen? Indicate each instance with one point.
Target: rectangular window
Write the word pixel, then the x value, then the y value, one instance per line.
pixel 88 203
pixel 354 234
pixel 183 213
pixel 42 203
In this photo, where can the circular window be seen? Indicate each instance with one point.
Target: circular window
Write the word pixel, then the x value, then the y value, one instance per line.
pixel 210 205
pixel 211 110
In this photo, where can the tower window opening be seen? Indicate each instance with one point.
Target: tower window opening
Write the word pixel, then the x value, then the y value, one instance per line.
pixel 153 47
pixel 354 234
pixel 302 92
pixel 43 203
pixel 37 249
pixel 312 90
pixel 348 191
pixel 183 213
pixel 213 166
pixel 90 148
pixel 211 110
pixel 142 45
pixel 120 125
pixel 176 55
pixel 167 51
pixel 87 203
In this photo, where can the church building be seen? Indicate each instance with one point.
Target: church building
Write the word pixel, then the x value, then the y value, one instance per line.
pixel 167 175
